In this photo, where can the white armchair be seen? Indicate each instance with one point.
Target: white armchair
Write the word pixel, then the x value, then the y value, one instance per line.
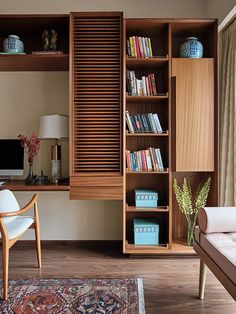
pixel 12 227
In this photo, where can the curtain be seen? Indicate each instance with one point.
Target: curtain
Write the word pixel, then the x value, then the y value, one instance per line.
pixel 228 117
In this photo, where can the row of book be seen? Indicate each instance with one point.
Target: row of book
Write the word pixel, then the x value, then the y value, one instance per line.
pixel 143 123
pixel 146 86
pixel 139 47
pixel 144 160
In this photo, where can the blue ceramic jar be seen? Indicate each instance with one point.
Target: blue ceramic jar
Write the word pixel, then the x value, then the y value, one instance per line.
pixel 13 44
pixel 191 48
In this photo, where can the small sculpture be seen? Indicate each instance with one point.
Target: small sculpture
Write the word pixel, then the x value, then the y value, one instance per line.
pixel 53 40
pixel 45 39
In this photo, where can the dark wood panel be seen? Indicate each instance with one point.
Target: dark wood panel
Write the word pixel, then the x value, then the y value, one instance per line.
pixel 96 80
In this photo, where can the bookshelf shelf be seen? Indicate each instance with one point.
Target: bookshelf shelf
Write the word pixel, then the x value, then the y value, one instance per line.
pixel 166 133
pixel 137 99
pixel 148 172
pixel 134 209
pixel 152 63
pixel 31 62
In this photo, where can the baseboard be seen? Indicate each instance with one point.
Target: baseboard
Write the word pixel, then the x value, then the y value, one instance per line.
pixel 79 243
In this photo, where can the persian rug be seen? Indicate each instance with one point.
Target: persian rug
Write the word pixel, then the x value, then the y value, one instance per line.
pixel 70 296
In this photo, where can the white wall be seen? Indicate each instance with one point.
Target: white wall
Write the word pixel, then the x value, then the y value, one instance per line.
pixel 25 96
pixel 219 8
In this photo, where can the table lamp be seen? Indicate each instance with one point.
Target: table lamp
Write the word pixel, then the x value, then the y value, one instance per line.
pixel 54 127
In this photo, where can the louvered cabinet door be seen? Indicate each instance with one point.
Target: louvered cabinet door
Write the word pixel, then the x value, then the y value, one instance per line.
pixel 96 105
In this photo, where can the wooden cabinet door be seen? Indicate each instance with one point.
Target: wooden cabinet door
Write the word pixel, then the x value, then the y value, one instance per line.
pixel 193 114
pixel 96 105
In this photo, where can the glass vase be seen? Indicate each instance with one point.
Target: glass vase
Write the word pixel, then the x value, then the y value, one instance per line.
pixel 190 234
pixel 30 178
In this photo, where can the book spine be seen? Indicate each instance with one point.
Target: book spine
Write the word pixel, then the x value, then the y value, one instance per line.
pixel 160 159
pixel 141 123
pixel 157 121
pixel 132 47
pixel 133 123
pixel 145 125
pixel 150 84
pixel 133 166
pixel 136 161
pixel 135 47
pixel 141 47
pixel 133 83
pixel 144 86
pixel 153 158
pixel 150 47
pixel 144 161
pixel 128 161
pixel 128 48
pixel 129 123
pixel 128 83
pixel 153 128
pixel 137 123
pixel 149 161
pixel 144 47
pixel 147 86
pixel 148 122
pixel 153 81
pixel 147 48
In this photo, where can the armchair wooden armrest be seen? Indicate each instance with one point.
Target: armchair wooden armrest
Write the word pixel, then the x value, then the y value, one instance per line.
pixel 22 210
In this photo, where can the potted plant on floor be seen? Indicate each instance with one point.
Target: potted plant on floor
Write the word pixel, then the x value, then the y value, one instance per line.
pixel 190 205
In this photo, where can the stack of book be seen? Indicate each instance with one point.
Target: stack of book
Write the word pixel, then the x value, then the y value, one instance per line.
pixel 139 47
pixel 143 123
pixel 144 160
pixel 146 86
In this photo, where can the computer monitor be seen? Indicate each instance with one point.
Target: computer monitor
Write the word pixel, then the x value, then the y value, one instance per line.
pixel 11 158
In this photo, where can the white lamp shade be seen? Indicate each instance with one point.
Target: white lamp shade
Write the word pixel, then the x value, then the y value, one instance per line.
pixel 54 127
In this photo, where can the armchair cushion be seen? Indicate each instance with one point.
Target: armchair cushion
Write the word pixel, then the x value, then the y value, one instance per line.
pixel 17 226
pixel 8 203
pixel 217 219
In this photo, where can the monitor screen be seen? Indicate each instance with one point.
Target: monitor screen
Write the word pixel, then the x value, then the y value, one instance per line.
pixel 11 157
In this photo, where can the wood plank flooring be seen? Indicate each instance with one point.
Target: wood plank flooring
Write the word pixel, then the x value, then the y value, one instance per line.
pixel 170 284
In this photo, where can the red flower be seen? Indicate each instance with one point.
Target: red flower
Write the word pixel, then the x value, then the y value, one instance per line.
pixel 31 145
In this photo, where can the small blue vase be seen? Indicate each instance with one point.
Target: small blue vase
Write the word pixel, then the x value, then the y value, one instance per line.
pixel 13 44
pixel 191 48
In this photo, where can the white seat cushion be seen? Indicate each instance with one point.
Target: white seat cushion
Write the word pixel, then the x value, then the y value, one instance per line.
pixel 17 226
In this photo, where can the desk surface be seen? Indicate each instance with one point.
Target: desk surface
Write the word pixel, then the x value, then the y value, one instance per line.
pixel 19 185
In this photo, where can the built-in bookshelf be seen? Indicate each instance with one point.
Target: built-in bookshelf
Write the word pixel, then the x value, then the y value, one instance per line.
pixel 142 134
pixel 146 129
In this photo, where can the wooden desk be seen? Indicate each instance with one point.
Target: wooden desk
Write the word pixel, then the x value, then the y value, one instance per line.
pixel 19 185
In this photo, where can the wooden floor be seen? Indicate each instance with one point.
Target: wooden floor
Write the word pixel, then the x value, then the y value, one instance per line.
pixel 170 284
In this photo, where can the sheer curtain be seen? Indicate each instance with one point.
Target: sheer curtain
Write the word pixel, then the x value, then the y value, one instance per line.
pixel 228 116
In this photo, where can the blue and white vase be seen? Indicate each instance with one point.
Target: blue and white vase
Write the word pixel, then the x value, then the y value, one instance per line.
pixel 13 44
pixel 191 48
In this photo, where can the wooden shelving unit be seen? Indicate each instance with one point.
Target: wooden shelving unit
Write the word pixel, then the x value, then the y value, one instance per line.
pixel 166 36
pixel 30 28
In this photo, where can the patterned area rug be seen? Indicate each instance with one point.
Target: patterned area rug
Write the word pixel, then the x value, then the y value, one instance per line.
pixel 70 296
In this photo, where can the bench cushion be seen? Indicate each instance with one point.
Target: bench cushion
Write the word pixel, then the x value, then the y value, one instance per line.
pixel 221 247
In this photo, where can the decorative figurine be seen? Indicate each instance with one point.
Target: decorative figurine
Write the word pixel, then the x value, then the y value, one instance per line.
pixel 45 39
pixel 53 40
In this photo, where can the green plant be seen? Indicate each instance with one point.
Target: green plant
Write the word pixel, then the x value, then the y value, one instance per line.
pixel 190 205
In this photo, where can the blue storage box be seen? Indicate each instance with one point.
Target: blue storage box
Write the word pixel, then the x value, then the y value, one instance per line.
pixel 146 198
pixel 146 232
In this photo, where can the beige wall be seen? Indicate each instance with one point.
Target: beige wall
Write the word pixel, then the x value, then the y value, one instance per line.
pixel 219 8
pixel 25 96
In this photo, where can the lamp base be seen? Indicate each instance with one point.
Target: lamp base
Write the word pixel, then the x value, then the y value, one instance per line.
pixel 56 163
